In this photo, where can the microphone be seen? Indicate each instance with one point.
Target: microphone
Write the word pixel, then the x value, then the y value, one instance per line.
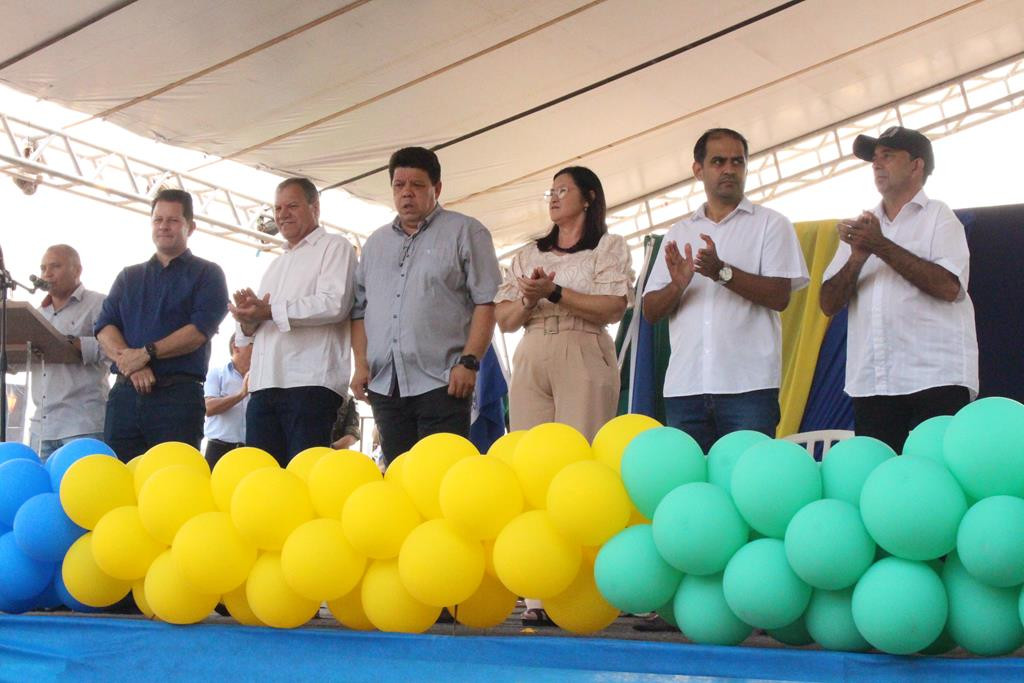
pixel 39 283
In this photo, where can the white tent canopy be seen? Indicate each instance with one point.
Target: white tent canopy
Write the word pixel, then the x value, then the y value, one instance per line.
pixel 509 91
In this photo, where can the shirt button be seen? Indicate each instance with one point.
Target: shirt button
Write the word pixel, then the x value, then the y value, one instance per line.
pixel 394 316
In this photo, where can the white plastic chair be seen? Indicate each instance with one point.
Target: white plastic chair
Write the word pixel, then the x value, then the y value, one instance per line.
pixel 821 440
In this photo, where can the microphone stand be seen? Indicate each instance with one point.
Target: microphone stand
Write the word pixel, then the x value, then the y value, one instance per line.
pixel 6 282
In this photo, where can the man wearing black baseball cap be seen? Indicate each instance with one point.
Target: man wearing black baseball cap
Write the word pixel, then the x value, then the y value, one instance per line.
pixel 903 268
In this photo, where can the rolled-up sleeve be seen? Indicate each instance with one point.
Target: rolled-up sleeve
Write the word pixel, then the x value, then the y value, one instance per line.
pixel 211 301
pixel 483 276
pixel 110 311
pixel 949 247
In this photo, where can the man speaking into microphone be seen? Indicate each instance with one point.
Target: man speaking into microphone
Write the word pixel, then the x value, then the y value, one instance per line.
pixel 70 399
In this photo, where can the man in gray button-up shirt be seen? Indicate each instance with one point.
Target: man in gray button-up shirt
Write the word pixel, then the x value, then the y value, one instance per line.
pixel 71 398
pixel 424 311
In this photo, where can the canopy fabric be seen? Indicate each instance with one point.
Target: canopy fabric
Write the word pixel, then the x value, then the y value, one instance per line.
pixel 510 91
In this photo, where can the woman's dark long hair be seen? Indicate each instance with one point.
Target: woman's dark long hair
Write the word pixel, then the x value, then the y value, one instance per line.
pixel 594 227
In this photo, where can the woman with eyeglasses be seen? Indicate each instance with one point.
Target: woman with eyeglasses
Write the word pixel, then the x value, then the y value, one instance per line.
pixel 565 288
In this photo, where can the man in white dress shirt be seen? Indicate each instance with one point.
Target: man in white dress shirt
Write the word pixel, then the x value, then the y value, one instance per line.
pixel 298 324
pixel 70 399
pixel 721 277
pixel 903 267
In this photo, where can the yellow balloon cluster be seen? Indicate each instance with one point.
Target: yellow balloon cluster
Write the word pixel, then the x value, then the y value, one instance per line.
pixel 446 527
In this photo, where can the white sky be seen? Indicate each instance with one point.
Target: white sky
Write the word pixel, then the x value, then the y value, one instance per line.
pixel 976 167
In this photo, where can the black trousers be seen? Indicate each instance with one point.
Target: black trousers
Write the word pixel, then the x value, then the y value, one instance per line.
pixel 285 422
pixel 404 420
pixel 216 449
pixel 890 418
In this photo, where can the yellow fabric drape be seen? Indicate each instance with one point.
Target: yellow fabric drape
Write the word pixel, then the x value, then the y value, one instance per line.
pixel 804 325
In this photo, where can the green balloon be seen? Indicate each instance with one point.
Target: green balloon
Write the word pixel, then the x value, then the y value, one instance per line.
pixel 990 541
pixel 771 482
pixel 703 615
pixel 667 613
pixel 726 451
pixel 793 634
pixel 657 461
pixel 630 573
pixel 761 588
pixel 983 619
pixel 912 507
pixel 900 606
pixel 697 529
pixel 848 464
pixel 984 447
pixel 827 545
pixel 829 619
pixel 926 439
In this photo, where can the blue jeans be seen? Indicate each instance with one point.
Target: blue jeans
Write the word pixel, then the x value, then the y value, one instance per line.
pixel 136 422
pixel 46 447
pixel 709 417
pixel 285 422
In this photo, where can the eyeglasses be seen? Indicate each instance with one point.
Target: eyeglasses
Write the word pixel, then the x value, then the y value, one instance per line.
pixel 555 194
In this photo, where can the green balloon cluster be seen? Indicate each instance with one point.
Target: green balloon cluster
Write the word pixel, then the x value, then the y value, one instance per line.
pixel 916 553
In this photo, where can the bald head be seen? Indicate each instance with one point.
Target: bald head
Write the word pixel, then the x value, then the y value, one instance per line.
pixel 61 267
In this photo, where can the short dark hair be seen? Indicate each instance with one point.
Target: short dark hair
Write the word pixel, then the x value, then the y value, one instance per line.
pixel 178 197
pixel 700 150
pixel 416 157
pixel 304 184
pixel 594 227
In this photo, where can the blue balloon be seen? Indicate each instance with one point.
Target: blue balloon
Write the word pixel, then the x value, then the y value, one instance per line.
pixel 49 598
pixel 21 577
pixel 12 450
pixel 20 479
pixel 43 530
pixel 9 606
pixel 71 452
pixel 67 599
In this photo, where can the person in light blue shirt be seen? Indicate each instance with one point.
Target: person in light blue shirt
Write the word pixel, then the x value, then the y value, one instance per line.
pixel 226 393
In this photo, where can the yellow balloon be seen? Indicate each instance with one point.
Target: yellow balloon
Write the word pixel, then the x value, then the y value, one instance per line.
pixel 164 455
pixel 389 606
pixel 93 486
pixel 489 559
pixel 425 467
pixel 268 505
pixel 394 470
pixel 504 448
pixel 211 554
pixel 84 579
pixel 611 440
pixel 348 610
pixel 172 598
pixel 318 561
pixel 335 476
pixel 489 606
pixel 232 468
pixel 377 517
pixel 271 598
pixel 132 465
pixel 581 608
pixel 170 497
pixel 637 517
pixel 439 565
pixel 122 547
pixel 588 503
pixel 303 462
pixel 139 595
pixel 482 495
pixel 542 453
pixel 533 559
pixel 238 607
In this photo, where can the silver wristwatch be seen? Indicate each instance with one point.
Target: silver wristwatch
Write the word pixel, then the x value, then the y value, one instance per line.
pixel 724 275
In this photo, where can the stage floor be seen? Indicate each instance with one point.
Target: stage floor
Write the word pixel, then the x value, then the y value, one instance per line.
pixel 56 646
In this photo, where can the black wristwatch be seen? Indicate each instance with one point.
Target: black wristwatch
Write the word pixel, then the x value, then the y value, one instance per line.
pixel 151 350
pixel 469 361
pixel 555 296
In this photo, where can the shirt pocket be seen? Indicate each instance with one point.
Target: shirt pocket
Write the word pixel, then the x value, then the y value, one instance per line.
pixel 442 268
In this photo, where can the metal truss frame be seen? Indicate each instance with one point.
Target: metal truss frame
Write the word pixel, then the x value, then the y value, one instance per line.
pixel 33 155
pixel 955 105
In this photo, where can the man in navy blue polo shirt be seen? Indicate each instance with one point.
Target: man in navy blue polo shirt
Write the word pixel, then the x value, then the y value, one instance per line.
pixel 156 325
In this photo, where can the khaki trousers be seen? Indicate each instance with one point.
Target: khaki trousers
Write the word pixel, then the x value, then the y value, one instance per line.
pixel 564 371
